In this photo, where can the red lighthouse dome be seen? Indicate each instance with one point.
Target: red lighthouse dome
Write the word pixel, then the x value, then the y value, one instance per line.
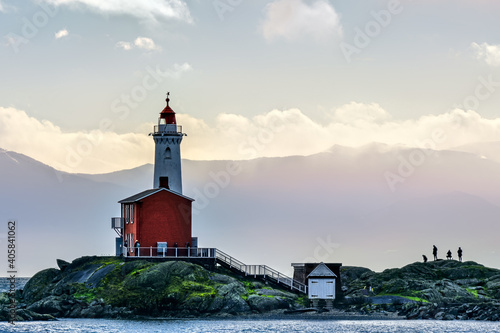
pixel 168 114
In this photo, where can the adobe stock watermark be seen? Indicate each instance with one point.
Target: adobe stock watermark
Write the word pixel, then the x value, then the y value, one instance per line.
pixel 221 179
pixel 484 89
pixel 121 107
pixel 12 268
pixel 225 6
pixel 323 251
pixel 415 158
pixel 408 164
pixel 31 26
pixel 371 30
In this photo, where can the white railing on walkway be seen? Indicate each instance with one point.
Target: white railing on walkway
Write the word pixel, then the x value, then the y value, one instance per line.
pixel 169 252
pixel 260 270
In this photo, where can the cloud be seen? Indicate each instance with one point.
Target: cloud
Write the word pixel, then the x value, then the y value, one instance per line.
pixel 61 33
pixel 178 70
pixel 71 151
pixel 359 112
pixel 487 53
pixel 291 132
pixel 2 9
pixel 144 43
pixel 124 45
pixel 148 11
pixel 295 19
pixel 231 136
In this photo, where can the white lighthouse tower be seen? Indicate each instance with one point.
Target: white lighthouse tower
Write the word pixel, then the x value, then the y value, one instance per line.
pixel 168 136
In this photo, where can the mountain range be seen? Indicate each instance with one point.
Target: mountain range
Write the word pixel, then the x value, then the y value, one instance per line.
pixel 376 206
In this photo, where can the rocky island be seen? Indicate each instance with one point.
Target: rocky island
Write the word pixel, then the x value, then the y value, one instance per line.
pixel 111 287
pixel 444 289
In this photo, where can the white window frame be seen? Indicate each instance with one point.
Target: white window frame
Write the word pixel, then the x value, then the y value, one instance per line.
pixel 132 213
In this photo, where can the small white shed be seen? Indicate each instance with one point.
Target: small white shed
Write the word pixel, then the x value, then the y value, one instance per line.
pixel 321 283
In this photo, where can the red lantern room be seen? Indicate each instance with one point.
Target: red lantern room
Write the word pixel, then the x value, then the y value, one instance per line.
pixel 167 116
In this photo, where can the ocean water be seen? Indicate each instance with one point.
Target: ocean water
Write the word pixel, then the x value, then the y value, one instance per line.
pixel 236 326
pixel 5 284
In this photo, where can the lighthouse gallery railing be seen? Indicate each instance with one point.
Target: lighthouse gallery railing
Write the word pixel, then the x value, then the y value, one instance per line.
pixel 168 129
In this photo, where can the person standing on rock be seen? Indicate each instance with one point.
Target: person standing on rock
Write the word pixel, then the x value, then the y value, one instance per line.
pixel 459 252
pixel 435 252
pixel 424 257
pixel 448 255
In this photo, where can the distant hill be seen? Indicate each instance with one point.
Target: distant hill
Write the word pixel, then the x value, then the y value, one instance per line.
pixel 489 150
pixel 336 206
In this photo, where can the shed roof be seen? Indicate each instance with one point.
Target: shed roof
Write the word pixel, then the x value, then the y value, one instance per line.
pixel 147 193
pixel 322 271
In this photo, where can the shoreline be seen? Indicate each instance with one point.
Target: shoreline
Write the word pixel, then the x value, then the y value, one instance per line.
pixel 273 315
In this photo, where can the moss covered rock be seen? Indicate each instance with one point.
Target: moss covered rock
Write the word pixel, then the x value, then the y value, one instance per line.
pixel 445 281
pixel 94 287
pixel 40 285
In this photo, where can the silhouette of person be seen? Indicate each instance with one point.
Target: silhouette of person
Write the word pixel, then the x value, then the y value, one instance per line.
pixel 459 252
pixel 424 257
pixel 137 248
pixel 435 252
pixel 448 255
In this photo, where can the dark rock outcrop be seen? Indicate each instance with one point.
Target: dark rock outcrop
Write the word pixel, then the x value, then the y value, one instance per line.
pixel 444 290
pixel 39 286
pixel 109 287
pixel 62 264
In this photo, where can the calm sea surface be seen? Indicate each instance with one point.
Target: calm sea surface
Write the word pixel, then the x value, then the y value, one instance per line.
pixel 199 326
pixel 5 284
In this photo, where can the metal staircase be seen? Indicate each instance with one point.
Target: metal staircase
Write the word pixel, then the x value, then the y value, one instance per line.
pixel 258 272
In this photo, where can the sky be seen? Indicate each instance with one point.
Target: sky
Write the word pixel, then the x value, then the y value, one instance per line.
pixel 83 81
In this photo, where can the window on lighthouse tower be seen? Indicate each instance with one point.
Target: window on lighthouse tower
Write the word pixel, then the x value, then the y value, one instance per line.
pixel 168 153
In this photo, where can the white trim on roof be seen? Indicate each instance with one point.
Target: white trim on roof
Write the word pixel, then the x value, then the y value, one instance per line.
pixel 321 270
pixel 151 193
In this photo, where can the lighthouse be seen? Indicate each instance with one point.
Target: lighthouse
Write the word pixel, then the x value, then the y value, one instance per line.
pixel 167 136
pixel 157 221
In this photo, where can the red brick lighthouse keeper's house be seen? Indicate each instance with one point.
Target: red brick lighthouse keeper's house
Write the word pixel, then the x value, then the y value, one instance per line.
pixel 157 222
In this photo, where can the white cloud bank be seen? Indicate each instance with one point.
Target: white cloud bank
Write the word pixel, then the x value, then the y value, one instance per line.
pixel 295 19
pixel 231 136
pixel 487 53
pixel 150 11
pixel 144 43
pixel 61 33
pixel 71 151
